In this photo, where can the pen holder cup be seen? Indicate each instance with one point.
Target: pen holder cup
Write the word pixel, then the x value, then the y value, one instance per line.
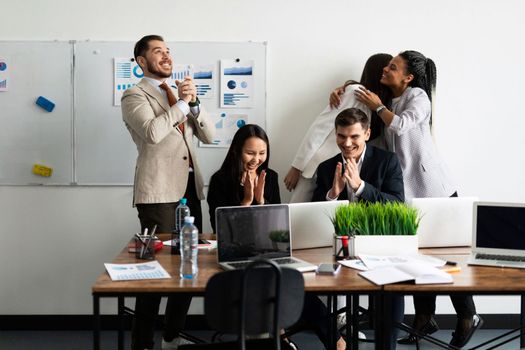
pixel 145 247
pixel 343 247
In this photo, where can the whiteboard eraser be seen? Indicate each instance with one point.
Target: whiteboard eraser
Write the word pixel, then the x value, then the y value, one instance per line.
pixel 42 170
pixel 45 103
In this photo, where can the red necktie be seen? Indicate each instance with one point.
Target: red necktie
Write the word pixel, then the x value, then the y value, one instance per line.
pixel 171 101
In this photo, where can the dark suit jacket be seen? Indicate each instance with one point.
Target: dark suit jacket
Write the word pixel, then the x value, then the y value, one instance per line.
pixel 381 173
pixel 221 195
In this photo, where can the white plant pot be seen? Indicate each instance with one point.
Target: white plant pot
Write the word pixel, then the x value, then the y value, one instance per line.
pixel 379 245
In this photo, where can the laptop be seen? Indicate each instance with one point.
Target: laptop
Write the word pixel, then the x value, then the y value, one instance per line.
pixel 498 235
pixel 255 232
pixel 445 221
pixel 311 224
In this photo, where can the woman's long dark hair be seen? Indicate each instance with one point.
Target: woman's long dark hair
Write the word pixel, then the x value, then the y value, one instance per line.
pixel 232 166
pixel 370 79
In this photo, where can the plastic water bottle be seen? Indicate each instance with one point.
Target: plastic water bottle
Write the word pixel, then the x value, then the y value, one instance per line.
pixel 181 212
pixel 189 237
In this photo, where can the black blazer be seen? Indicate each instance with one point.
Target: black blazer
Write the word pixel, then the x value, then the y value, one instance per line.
pixel 219 195
pixel 381 173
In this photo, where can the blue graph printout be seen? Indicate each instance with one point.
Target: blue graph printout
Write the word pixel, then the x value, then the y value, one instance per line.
pixel 127 73
pixel 141 271
pixel 4 74
pixel 226 125
pixel 237 83
pixel 204 78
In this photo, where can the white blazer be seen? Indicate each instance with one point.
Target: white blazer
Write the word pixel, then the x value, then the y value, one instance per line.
pixel 319 142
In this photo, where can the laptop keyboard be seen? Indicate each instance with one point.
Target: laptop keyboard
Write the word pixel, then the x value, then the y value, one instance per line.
pixel 500 257
pixel 280 261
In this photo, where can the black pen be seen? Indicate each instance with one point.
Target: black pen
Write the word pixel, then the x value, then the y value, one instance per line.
pixel 143 241
pixel 453 263
pixel 149 241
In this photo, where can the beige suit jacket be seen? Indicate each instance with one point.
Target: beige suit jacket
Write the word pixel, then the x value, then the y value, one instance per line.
pixel 161 173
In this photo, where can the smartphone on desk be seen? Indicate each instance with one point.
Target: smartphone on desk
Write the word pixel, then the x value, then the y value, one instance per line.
pixel 328 269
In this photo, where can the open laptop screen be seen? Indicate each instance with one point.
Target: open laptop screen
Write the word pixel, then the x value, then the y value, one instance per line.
pixel 245 233
pixel 500 227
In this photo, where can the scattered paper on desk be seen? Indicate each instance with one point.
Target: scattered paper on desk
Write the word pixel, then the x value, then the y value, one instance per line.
pixel 430 260
pixel 375 261
pixel 141 271
pixel 420 273
pixel 356 264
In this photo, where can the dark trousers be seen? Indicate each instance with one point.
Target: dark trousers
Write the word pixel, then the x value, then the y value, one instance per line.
pixel 147 307
pixel 315 315
pixel 463 304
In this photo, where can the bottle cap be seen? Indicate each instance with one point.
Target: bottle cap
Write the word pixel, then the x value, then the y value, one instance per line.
pixel 183 201
pixel 189 219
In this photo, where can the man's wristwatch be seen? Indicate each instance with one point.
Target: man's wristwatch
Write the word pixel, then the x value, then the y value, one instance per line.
pixel 194 104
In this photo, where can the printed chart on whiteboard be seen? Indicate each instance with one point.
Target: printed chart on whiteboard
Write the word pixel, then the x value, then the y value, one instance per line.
pixel 226 125
pixel 3 74
pixel 237 83
pixel 127 73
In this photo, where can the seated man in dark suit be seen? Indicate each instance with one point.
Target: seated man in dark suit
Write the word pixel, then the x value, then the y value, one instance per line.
pixel 360 171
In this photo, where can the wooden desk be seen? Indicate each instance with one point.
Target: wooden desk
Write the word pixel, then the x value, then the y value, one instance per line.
pixel 346 282
pixel 471 279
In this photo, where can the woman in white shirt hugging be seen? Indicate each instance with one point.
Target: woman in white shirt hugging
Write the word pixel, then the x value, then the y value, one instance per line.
pixel 319 142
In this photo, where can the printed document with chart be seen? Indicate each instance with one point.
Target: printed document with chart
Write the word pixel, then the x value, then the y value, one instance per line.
pixel 141 271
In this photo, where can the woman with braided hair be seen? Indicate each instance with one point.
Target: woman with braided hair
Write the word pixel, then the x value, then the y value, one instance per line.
pixel 407 131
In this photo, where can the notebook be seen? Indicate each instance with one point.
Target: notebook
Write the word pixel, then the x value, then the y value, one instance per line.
pixel 419 273
pixel 255 232
pixel 498 235
pixel 311 224
pixel 445 221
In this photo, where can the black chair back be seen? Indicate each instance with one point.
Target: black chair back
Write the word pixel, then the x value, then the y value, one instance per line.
pixel 262 298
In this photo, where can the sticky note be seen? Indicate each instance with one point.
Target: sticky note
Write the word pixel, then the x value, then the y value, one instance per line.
pixel 42 170
pixel 45 103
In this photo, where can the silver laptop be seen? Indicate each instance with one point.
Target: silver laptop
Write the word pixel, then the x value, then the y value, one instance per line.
pixel 445 221
pixel 311 224
pixel 256 232
pixel 498 235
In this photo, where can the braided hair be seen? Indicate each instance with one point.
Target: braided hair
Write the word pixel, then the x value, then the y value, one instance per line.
pixel 423 69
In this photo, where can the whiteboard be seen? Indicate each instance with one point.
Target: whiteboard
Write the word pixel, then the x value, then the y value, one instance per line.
pixel 28 134
pixel 104 151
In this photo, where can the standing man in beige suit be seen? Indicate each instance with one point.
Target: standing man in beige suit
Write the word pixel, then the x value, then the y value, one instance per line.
pixel 163 127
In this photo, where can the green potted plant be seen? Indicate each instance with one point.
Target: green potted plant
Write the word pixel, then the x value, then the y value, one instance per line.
pixel 280 239
pixel 375 228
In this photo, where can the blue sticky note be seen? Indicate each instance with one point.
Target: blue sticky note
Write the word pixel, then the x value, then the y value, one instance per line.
pixel 45 103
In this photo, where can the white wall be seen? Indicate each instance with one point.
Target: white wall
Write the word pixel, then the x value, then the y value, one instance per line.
pixel 55 239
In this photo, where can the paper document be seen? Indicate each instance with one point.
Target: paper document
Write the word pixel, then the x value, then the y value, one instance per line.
pixel 356 264
pixel 141 271
pixel 376 261
pixel 420 273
